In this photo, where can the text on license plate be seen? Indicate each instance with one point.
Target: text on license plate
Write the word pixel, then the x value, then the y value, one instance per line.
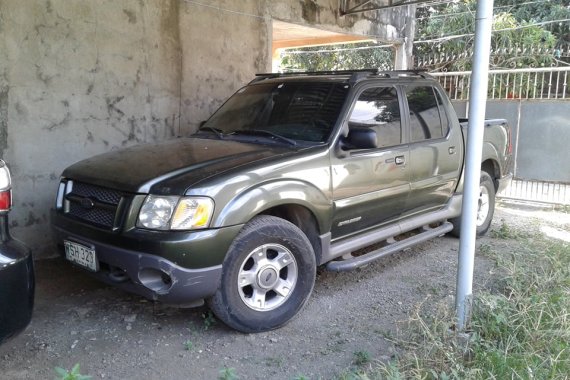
pixel 81 254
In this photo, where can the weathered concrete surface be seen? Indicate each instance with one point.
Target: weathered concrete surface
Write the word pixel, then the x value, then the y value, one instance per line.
pixel 225 42
pixel 79 78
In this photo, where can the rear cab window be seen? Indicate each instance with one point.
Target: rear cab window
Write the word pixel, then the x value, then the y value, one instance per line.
pixel 428 119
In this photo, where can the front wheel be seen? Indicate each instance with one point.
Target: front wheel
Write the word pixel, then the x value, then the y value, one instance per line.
pixel 485 207
pixel 267 276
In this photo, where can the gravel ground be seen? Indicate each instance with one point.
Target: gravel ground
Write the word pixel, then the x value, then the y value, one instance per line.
pixel 115 335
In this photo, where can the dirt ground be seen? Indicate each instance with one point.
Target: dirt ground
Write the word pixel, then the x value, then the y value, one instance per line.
pixel 115 335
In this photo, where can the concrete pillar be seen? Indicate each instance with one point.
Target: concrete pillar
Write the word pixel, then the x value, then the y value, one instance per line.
pixel 403 57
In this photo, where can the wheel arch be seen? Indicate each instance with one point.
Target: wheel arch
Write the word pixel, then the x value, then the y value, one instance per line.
pixel 303 218
pixel 298 202
pixel 492 168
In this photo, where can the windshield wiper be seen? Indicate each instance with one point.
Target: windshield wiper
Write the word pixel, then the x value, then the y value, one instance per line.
pixel 217 131
pixel 259 132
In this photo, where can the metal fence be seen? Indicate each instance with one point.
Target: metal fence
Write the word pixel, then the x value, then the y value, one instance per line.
pixel 531 83
pixel 529 56
pixel 528 98
pixel 537 191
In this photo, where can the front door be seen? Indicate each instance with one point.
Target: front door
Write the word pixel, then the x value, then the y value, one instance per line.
pixel 370 186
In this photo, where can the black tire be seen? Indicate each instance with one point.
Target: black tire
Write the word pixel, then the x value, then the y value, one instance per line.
pixel 485 207
pixel 277 267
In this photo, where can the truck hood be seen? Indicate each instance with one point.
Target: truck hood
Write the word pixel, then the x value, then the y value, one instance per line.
pixel 150 167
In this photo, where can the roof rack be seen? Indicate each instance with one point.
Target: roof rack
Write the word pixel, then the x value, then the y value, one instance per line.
pixel 355 75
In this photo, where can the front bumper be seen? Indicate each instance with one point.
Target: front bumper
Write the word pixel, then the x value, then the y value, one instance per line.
pixel 174 268
pixel 153 277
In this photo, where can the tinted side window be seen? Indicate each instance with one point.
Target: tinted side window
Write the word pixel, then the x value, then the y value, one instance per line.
pixel 425 120
pixel 378 108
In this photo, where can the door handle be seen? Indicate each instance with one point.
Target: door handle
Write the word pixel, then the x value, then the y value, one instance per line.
pixel 400 160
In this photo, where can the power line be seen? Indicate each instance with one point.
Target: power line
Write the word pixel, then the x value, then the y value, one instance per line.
pixel 446 38
pixel 473 11
pixel 220 9
pixel 453 37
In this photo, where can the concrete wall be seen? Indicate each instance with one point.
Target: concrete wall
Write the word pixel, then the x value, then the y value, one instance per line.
pixel 541 133
pixel 79 78
pixel 224 44
pixel 234 42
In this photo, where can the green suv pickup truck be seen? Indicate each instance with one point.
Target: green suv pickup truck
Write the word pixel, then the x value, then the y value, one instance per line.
pixel 292 172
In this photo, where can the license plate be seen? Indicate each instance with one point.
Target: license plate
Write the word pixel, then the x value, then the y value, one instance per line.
pixel 82 255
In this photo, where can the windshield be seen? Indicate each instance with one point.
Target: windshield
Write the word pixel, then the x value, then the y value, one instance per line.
pixel 290 110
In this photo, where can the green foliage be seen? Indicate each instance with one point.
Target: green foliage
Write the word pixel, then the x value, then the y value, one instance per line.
pixel 516 42
pixel 209 320
pixel 361 358
pixel 485 249
pixel 227 374
pixel 541 11
pixel 188 345
pixel 73 374
pixel 527 329
pixel 274 362
pixel 505 232
pixel 356 375
pixel 337 57
pixel 520 332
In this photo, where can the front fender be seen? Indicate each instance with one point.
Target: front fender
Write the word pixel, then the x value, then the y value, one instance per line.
pixel 264 196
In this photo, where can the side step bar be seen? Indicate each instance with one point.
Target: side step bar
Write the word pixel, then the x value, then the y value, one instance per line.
pixel 392 247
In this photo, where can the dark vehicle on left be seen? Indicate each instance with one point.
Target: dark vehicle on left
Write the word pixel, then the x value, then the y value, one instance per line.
pixel 17 281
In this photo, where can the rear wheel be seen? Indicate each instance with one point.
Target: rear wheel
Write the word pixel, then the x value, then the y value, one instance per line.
pixel 267 277
pixel 485 207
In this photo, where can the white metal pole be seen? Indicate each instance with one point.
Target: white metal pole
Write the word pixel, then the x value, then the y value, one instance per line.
pixel 477 104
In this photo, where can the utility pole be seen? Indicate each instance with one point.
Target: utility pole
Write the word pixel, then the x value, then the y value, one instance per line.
pixel 477 105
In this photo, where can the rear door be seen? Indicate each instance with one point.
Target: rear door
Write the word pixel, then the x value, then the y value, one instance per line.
pixel 370 186
pixel 436 150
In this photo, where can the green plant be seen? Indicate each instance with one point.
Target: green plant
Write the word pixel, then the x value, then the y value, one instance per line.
pixel 361 358
pixel 73 374
pixel 300 377
pixel 355 375
pixel 504 232
pixel 521 332
pixel 227 374
pixel 188 345
pixel 209 320
pixel 274 362
pixel 485 249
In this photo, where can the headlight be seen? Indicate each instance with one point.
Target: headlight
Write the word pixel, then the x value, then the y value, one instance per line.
pixel 192 213
pixel 172 212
